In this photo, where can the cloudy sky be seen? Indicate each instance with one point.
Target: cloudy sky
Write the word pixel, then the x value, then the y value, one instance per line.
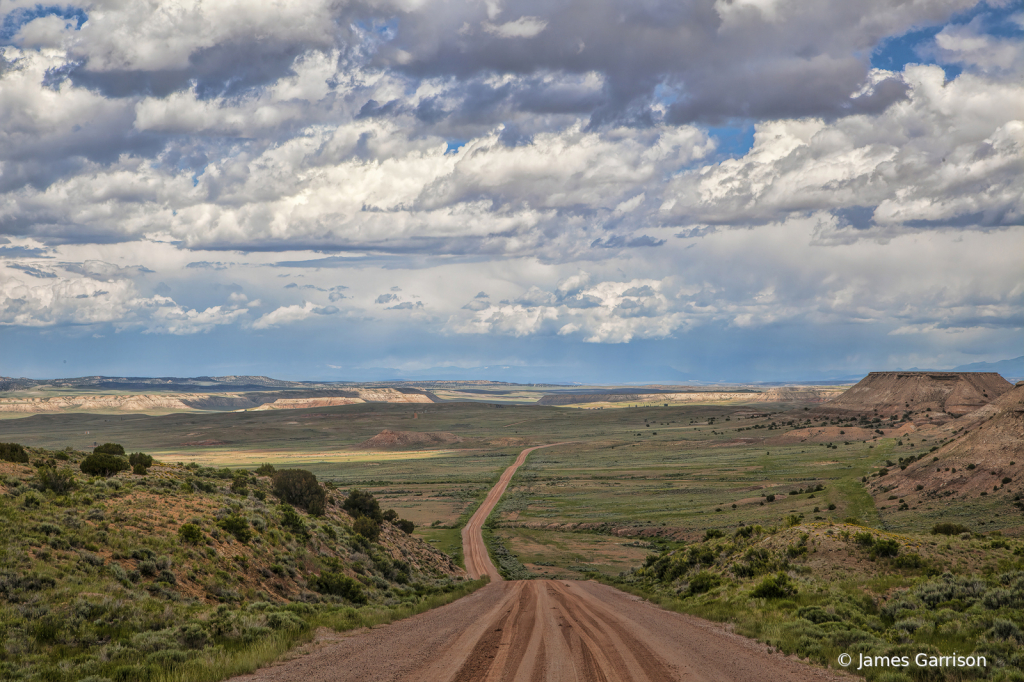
pixel 556 190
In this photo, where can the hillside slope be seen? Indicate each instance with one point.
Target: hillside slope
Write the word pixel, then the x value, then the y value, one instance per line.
pixel 988 450
pixel 128 576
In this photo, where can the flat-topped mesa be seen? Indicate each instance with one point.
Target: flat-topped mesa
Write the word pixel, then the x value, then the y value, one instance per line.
pixel 952 393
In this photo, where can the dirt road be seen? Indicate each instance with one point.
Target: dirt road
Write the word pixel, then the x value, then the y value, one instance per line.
pixel 539 631
pixel 478 561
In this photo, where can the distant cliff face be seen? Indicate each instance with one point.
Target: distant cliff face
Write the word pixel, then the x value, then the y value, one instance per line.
pixel 151 402
pixel 798 394
pixel 953 393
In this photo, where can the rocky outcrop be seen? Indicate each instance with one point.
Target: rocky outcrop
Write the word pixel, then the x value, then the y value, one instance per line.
pixel 126 403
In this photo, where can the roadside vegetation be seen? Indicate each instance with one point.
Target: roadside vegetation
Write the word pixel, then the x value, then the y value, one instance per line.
pixel 821 589
pixel 118 567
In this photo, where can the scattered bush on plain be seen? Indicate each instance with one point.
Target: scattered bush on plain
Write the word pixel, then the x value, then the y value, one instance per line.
pixel 949 529
pixel 774 587
pixel 140 459
pixel 59 481
pixel 103 464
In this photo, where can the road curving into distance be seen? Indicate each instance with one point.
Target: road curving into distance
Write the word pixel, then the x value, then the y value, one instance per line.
pixel 539 631
pixel 474 551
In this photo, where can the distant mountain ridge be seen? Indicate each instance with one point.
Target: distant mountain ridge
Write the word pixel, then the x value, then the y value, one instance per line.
pixel 1010 369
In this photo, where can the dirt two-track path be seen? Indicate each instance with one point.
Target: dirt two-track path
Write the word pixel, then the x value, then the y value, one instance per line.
pixel 539 631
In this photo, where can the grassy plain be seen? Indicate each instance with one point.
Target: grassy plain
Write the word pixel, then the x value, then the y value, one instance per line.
pixel 650 472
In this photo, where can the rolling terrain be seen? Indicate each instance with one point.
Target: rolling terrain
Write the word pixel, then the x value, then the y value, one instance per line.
pixel 696 506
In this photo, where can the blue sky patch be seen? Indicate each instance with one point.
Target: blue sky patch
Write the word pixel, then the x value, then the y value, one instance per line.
pixel 454 146
pixel 21 16
pixel 733 141
pixel 895 53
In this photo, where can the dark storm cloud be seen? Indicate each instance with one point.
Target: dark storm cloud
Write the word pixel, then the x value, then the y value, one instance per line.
pixel 22 252
pixel 711 60
pixel 645 290
pixel 582 302
pixel 619 241
pixel 35 272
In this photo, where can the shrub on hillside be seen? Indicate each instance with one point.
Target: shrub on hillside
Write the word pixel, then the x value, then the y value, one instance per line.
pixel 140 458
pixel 59 481
pixel 329 582
pixel 240 485
pixel 885 548
pixel 713 533
pixel 406 526
pixel 292 521
pixel 949 529
pixel 362 503
pixel 909 561
pixel 266 470
pixel 110 449
pixel 865 538
pixel 139 470
pixel 367 527
pixel 300 488
pixel 189 533
pixel 390 516
pixel 103 464
pixel 237 526
pixel 13 452
pixel 703 582
pixel 774 587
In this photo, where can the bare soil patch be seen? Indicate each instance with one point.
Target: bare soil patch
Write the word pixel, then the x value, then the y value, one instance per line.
pixel 396 439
